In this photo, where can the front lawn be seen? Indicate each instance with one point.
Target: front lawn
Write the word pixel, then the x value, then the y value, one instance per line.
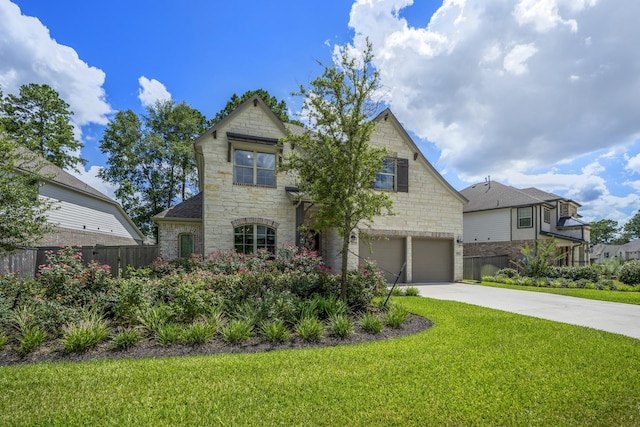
pixel 602 295
pixel 476 366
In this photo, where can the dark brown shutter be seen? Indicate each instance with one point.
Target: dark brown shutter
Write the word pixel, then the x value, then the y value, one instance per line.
pixel 403 175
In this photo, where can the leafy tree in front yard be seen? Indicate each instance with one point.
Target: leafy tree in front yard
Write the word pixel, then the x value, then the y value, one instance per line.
pixel 22 213
pixel 334 161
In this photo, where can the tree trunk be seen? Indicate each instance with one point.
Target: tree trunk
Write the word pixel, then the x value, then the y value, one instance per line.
pixel 345 267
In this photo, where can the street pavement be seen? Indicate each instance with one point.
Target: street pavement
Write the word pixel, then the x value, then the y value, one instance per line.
pixel 613 317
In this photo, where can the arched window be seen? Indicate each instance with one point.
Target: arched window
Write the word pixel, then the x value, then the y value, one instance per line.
pixel 248 238
pixel 185 248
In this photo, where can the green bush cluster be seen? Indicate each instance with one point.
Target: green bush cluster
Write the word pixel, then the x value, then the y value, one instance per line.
pixel 629 272
pixel 226 295
pixel 585 277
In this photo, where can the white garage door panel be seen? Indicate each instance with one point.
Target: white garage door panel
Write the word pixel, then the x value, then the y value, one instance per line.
pixel 389 255
pixel 432 260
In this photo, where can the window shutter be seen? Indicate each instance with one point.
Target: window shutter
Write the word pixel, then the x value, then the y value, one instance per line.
pixel 403 175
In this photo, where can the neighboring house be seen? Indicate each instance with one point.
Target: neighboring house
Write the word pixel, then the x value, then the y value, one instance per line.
pixel 600 252
pixel 81 215
pixel 500 220
pixel 244 205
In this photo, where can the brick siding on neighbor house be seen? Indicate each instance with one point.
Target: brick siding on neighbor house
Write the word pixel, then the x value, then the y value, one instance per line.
pixel 69 237
pixel 510 249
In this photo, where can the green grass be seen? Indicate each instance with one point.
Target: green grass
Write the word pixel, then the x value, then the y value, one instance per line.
pixel 476 366
pixel 613 296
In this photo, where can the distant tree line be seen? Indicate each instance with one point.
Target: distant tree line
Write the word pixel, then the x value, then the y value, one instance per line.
pixel 608 232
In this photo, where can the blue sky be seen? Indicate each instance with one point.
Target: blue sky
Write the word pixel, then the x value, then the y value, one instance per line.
pixel 542 93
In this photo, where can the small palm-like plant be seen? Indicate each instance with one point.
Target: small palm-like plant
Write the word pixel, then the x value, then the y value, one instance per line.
pixel 275 331
pixel 125 339
pixel 340 325
pixel 371 323
pixel 199 332
pixel 310 329
pixel 237 331
pixel 396 315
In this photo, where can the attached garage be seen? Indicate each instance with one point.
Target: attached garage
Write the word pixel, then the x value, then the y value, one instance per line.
pixel 389 254
pixel 432 260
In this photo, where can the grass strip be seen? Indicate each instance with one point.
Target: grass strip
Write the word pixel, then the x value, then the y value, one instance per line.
pixel 476 366
pixel 601 295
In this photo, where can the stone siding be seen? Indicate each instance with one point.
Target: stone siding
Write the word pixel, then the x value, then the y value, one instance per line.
pixel 510 249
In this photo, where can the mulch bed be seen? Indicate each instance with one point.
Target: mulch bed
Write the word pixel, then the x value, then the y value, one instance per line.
pixel 53 351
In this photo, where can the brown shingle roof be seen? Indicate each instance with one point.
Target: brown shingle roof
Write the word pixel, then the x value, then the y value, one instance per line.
pixel 493 195
pixel 190 209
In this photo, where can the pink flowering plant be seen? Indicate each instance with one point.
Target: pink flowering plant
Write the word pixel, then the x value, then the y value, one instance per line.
pixel 67 280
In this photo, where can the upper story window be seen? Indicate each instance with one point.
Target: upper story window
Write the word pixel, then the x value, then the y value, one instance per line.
pixel 525 217
pixel 547 215
pixel 386 178
pixel 254 168
pixel 394 175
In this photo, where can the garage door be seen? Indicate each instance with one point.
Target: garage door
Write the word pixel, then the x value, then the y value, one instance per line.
pixel 389 255
pixel 432 260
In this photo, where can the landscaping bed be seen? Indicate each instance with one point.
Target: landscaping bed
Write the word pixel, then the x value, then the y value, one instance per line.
pixel 147 348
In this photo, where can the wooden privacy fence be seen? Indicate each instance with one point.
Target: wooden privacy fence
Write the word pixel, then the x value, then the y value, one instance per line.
pixel 477 266
pixel 119 258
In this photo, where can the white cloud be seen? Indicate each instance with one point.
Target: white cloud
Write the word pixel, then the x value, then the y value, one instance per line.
pixel 90 177
pixel 28 54
pixel 513 87
pixel 633 164
pixel 152 91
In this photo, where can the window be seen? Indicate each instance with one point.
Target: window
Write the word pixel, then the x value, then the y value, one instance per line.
pixel 394 175
pixel 525 217
pixel 251 237
pixel 386 178
pixel 186 245
pixel 254 168
pixel 547 216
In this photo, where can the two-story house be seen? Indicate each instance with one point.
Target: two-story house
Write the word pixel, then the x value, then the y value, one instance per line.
pixel 500 220
pixel 245 205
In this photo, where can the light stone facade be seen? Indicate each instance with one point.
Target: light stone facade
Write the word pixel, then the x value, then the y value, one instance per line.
pixel 430 209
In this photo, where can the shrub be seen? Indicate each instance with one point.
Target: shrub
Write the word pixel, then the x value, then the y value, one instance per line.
pixel 275 330
pixel 396 315
pixel 4 340
pixel 125 339
pixel 30 339
pixel 629 273
pixel 508 272
pixel 310 329
pixel 169 333
pixel 340 325
pixel 330 306
pixel 397 291
pixel 65 278
pixel 371 323
pixel 412 291
pixel 199 332
pixel 86 334
pixel 237 331
pixel 152 319
pixel 129 299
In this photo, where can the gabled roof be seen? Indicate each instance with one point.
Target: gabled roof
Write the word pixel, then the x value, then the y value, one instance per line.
pixel 494 195
pixel 569 221
pixel 387 115
pixel 189 210
pixel 56 175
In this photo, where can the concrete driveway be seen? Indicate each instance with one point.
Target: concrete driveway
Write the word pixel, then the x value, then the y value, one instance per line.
pixel 606 316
